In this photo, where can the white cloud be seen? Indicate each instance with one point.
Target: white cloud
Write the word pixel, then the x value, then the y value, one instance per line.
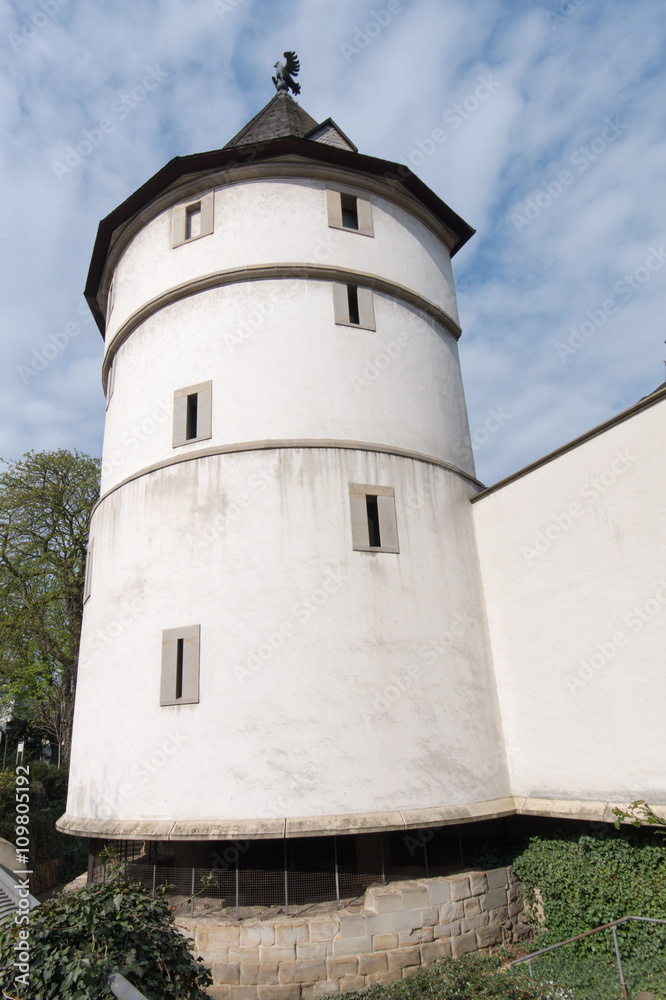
pixel 520 289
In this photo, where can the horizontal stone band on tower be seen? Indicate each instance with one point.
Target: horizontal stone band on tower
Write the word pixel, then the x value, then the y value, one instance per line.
pixel 267 272
pixel 246 446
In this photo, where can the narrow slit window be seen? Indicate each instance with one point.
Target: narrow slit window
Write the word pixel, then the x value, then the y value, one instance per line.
pixel 352 300
pixel 88 575
pixel 110 298
pixel 179 681
pixel 193 221
pixel 349 207
pixel 179 668
pixel 192 407
pixel 353 306
pixel 372 511
pixel 110 382
pixel 373 518
pixel 192 414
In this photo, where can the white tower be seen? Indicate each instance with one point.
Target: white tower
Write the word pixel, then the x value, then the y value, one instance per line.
pixel 284 633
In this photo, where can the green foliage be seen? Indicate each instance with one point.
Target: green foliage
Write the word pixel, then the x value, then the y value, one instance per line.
pixel 77 940
pixel 638 814
pixel 469 978
pixel 45 504
pixel 581 882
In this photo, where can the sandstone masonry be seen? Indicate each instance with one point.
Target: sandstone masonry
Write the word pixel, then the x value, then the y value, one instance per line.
pixel 400 927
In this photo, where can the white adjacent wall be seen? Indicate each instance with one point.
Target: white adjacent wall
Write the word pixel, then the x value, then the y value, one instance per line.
pixel 573 562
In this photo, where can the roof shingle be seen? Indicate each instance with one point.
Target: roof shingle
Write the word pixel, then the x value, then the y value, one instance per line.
pixel 281 117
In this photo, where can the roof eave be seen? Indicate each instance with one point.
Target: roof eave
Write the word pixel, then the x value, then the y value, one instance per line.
pixel 215 159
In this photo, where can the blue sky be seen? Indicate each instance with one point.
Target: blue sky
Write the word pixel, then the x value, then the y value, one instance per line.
pixel 541 124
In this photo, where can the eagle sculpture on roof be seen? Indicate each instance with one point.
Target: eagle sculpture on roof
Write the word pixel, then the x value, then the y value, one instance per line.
pixel 285 73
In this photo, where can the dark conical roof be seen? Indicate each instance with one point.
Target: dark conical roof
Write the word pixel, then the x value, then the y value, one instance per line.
pixel 281 117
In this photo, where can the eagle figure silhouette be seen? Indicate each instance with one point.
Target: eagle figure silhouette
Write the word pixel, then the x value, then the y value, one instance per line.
pixel 285 73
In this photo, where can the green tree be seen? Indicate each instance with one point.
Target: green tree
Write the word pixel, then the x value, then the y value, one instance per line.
pixel 46 499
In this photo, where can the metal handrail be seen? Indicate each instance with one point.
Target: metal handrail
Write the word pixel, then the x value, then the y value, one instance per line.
pixel 604 927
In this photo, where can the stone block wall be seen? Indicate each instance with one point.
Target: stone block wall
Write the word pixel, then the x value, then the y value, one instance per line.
pixel 400 927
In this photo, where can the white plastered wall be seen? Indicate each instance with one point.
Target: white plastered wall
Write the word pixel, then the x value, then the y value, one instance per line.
pixel 281 368
pixel 281 221
pixel 332 681
pixel 381 697
pixel 572 559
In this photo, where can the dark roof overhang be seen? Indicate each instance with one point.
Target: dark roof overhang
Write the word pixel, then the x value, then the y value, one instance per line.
pixel 228 157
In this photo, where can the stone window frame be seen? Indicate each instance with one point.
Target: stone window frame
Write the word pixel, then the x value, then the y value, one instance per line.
pixel 363 211
pixel 179 677
pixel 110 298
pixel 366 306
pixel 87 580
pixel 181 213
pixel 204 406
pixel 388 522
pixel 110 382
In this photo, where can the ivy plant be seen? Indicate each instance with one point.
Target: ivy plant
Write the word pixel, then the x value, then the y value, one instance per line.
pixel 573 883
pixel 76 940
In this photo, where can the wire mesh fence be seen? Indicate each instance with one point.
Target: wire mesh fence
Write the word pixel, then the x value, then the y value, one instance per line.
pixel 262 878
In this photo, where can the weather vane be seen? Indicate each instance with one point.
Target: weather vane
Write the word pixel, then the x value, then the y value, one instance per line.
pixel 285 73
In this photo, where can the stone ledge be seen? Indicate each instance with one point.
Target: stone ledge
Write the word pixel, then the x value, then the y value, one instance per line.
pixel 314 826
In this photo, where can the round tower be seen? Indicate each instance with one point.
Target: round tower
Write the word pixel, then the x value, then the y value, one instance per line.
pixel 284 632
